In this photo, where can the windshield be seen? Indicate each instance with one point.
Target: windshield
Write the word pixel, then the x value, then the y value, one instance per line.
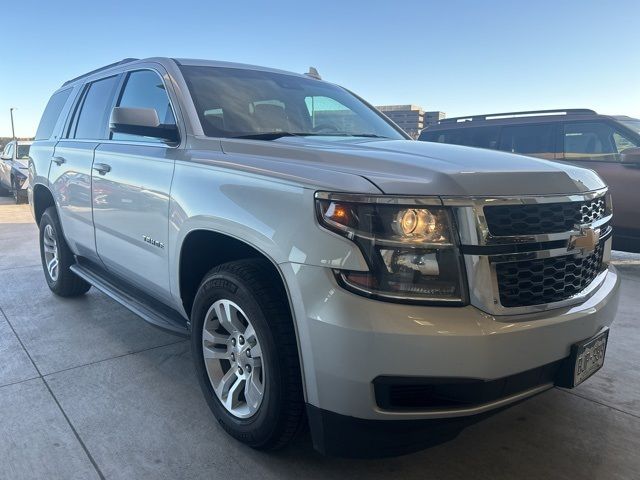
pixel 632 124
pixel 23 151
pixel 235 102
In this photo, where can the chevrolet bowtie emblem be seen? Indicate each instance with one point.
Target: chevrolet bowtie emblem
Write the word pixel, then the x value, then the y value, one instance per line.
pixel 586 240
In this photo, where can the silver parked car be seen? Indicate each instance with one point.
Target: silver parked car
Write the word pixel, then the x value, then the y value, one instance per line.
pixel 328 270
pixel 14 162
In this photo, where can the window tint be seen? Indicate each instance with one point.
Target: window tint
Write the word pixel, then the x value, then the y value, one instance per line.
pixel 144 89
pixel 92 120
pixel 588 139
pixel 480 137
pixel 527 139
pixel 51 114
pixel 453 137
pixel 239 102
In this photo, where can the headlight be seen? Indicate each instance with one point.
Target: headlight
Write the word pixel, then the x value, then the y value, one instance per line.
pixel 410 245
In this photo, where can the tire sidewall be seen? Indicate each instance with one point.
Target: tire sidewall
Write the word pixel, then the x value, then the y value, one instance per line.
pixel 257 429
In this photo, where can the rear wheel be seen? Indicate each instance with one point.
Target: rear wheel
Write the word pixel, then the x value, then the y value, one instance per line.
pixel 57 258
pixel 245 353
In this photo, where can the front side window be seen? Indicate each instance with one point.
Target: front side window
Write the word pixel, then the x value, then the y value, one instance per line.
pixel 51 114
pixel 145 89
pixel 589 140
pixel 528 139
pixel 623 142
pixel 235 102
pixel 8 152
pixel 91 122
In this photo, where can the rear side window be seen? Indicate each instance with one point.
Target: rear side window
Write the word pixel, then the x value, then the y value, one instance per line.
pixel 527 139
pixel 91 122
pixel 51 114
pixel 480 137
pixel 453 137
pixel 144 89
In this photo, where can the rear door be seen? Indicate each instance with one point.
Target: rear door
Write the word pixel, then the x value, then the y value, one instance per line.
pixel 70 174
pixel 597 145
pixel 131 192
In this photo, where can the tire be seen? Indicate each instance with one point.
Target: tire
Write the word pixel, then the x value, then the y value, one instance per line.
pixel 62 281
pixel 249 288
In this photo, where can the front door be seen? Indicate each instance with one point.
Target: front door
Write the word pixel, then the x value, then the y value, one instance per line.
pixel 131 186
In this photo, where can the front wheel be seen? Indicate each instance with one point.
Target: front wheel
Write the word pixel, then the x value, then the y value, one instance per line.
pixel 245 354
pixel 57 258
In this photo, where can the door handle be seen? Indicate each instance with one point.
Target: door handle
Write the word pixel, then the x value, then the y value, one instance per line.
pixel 102 168
pixel 58 160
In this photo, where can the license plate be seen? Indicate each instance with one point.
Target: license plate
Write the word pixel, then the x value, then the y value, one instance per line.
pixel 589 356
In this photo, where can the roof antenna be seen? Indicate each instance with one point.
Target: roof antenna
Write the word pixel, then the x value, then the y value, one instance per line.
pixel 313 73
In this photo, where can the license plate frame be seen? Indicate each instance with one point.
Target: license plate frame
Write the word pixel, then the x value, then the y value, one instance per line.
pixel 587 356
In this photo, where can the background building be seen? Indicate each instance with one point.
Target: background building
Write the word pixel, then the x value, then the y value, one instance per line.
pixel 411 118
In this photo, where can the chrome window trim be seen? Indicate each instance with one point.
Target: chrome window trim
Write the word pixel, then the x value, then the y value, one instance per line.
pixel 124 73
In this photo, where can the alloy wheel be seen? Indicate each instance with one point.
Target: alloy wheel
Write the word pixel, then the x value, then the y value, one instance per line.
pixel 233 358
pixel 50 252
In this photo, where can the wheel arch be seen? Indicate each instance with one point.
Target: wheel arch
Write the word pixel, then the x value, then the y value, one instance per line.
pixel 196 257
pixel 42 199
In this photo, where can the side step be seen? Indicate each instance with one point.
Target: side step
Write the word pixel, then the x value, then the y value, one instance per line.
pixel 142 305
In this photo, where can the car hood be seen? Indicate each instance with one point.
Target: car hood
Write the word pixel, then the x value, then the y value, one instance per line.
pixel 406 167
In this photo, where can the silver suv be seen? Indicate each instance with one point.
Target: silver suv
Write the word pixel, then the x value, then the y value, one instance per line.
pixel 328 270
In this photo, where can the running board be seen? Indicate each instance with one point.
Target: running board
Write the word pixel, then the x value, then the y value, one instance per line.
pixel 150 310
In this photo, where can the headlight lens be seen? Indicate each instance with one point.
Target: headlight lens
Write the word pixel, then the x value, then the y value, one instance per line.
pixel 409 244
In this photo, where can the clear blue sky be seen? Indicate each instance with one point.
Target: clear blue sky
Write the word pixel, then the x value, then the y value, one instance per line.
pixel 461 57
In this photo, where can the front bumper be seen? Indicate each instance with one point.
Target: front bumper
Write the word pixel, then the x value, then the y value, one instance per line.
pixel 347 341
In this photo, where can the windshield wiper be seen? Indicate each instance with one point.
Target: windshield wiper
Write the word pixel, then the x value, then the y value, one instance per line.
pixel 276 135
pixel 270 135
pixel 368 135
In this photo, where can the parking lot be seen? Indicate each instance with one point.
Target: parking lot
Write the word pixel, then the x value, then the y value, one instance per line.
pixel 89 390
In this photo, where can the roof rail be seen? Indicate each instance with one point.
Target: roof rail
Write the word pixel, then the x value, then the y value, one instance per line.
pixel 579 111
pixel 121 62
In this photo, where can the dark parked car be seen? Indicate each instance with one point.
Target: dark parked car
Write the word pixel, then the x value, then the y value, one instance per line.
pixel 14 163
pixel 607 144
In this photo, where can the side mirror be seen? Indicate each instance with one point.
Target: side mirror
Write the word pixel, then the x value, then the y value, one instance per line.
pixel 141 121
pixel 630 157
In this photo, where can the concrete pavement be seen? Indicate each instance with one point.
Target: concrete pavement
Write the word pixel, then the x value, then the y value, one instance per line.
pixel 89 390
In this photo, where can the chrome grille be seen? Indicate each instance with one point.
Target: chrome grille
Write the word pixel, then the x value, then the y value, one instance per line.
pixel 542 218
pixel 547 280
